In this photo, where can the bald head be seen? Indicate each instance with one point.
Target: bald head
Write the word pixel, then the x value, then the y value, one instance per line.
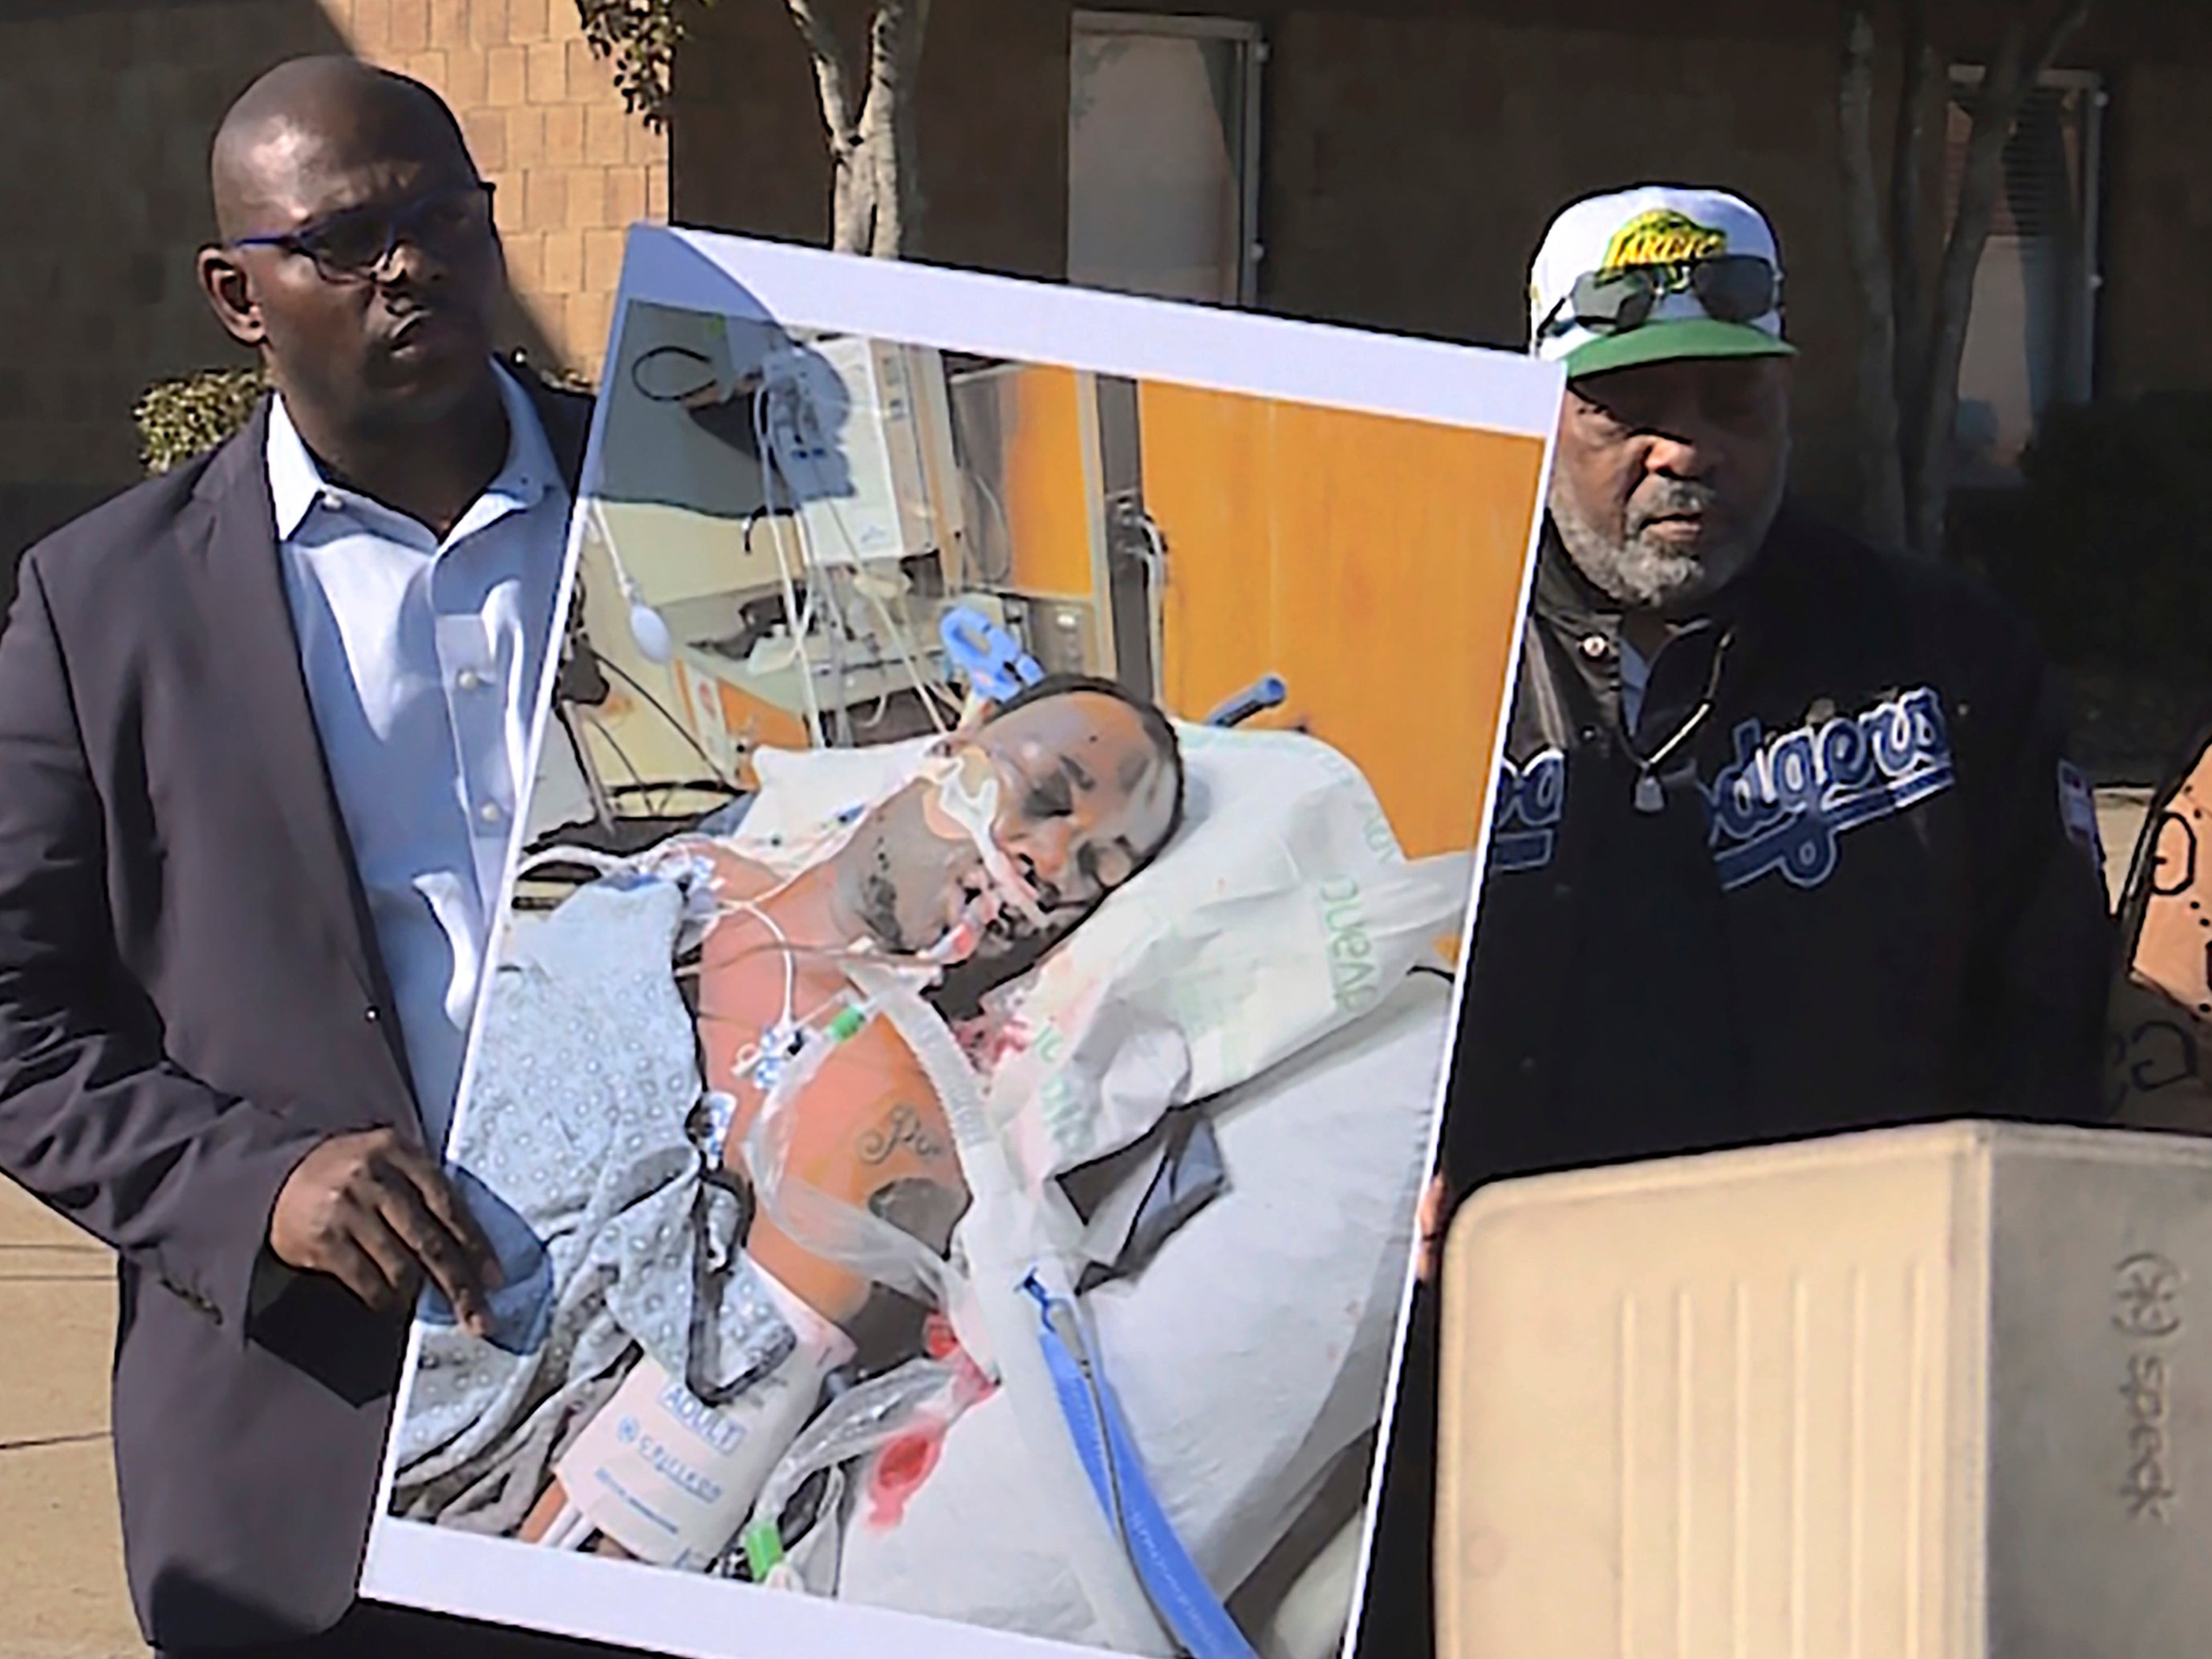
pixel 358 253
pixel 308 115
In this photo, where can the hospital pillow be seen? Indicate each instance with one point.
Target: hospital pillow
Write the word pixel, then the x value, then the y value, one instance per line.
pixel 1283 910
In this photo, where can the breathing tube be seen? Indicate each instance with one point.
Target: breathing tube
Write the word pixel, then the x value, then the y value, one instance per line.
pixel 829 1227
pixel 915 1404
pixel 1183 1601
pixel 1005 1237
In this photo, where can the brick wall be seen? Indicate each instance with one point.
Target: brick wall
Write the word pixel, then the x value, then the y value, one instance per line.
pixel 108 112
pixel 1413 150
pixel 542 118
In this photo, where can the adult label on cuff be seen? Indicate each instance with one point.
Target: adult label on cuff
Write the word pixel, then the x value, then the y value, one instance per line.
pixel 670 1478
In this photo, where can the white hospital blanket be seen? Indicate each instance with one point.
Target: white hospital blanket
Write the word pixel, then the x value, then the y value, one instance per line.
pixel 1251 1351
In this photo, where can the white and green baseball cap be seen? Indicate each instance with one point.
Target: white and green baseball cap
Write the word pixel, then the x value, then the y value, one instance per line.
pixel 1656 274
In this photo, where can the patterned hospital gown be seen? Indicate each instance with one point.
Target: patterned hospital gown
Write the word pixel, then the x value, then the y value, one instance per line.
pixel 579 1117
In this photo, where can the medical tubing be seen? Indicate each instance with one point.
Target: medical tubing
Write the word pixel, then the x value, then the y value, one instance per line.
pixel 591 858
pixel 571 1530
pixel 798 620
pixel 862 1420
pixel 1186 1603
pixel 1002 1235
pixel 841 1232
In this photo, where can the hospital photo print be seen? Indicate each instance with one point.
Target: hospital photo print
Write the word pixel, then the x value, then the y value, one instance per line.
pixel 962 1054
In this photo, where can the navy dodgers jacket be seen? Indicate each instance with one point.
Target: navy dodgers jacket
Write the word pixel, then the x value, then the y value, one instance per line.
pixel 1871 894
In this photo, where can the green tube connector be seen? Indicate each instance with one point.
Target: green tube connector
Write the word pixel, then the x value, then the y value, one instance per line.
pixel 764 1549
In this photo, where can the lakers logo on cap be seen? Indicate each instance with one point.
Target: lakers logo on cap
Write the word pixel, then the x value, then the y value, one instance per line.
pixel 1661 237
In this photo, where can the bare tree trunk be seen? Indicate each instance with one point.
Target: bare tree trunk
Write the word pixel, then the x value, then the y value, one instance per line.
pixel 875 207
pixel 1881 481
pixel 1907 175
pixel 895 38
pixel 2014 74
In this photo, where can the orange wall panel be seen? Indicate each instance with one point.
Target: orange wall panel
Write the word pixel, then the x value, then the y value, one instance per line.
pixel 1047 497
pixel 1375 563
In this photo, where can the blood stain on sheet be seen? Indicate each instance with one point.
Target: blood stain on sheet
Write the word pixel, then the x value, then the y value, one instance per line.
pixel 900 1469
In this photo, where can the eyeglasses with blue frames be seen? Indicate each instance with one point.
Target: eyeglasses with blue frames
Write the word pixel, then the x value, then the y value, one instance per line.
pixel 356 244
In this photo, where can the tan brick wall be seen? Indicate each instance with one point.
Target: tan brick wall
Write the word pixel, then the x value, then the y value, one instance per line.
pixel 573 169
pixel 106 118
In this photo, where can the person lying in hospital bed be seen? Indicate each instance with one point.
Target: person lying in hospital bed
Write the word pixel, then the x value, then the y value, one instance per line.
pixel 1260 1014
pixel 1060 795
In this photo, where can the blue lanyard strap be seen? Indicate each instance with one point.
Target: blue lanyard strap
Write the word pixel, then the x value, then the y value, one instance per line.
pixel 1180 1596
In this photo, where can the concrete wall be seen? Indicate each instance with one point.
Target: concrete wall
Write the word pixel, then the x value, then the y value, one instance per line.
pixel 109 108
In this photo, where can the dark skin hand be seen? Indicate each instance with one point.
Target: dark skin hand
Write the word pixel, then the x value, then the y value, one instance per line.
pixel 387 374
pixel 376 1215
pixel 1429 1226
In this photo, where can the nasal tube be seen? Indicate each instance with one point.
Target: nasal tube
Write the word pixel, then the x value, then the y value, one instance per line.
pixel 976 813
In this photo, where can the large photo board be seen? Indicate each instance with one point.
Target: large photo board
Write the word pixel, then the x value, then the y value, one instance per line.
pixel 967 1032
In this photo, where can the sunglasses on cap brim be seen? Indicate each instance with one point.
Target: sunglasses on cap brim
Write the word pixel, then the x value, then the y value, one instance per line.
pixel 1731 287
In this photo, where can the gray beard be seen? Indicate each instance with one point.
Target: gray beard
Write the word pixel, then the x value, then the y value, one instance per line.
pixel 1646 577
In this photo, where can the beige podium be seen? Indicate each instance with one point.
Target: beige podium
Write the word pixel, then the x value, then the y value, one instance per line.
pixel 1939 1393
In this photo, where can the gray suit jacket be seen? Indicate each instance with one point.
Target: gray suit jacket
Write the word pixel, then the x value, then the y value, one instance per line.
pixel 189 998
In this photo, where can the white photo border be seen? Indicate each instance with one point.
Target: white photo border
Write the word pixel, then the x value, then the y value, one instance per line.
pixel 501 1581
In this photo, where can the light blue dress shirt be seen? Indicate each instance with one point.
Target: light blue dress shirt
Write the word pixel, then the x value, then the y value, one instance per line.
pixel 423 661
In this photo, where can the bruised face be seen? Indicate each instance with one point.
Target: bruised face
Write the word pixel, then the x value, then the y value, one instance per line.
pixel 1075 796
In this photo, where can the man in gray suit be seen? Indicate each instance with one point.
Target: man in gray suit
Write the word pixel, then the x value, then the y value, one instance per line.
pixel 264 727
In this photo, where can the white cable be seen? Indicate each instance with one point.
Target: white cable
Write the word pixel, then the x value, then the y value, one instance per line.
pixel 822 579
pixel 797 620
pixel 1005 528
pixel 906 653
pixel 790 956
pixel 571 1530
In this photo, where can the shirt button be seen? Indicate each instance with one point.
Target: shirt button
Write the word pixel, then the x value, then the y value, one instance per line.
pixel 331 502
pixel 490 812
pixel 1595 646
pixel 369 1014
pixel 468 679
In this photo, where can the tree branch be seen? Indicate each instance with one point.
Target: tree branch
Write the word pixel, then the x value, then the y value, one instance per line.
pixel 1908 168
pixel 2063 28
pixel 895 32
pixel 830 74
pixel 1881 482
pixel 2012 75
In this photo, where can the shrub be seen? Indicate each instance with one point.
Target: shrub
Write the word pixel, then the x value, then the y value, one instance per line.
pixel 180 418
